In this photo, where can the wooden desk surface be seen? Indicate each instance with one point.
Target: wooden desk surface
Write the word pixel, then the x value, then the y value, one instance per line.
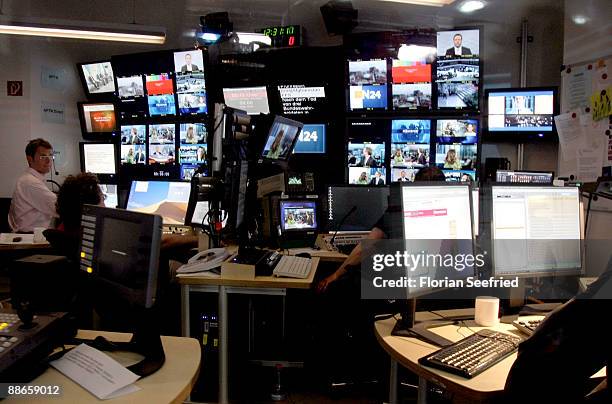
pixel 24 246
pixel 171 384
pixel 407 351
pixel 258 282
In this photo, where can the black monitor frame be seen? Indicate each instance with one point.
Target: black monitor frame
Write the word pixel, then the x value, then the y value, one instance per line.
pixel 139 301
pixel 520 136
pixel 103 178
pixel 97 136
pixel 167 180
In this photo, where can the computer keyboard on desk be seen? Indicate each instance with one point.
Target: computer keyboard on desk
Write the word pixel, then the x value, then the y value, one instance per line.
pixel 342 241
pixel 473 354
pixel 293 267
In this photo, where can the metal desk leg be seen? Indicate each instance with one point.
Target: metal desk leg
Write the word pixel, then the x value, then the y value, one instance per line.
pixel 393 383
pixel 223 366
pixel 185 326
pixel 422 397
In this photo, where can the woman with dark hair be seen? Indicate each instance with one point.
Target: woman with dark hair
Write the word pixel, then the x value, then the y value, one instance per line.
pixel 76 191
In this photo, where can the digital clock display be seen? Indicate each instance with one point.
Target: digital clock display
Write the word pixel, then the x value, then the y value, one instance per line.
pixel 284 36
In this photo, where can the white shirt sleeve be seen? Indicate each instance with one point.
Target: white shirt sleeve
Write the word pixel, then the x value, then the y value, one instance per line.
pixel 40 197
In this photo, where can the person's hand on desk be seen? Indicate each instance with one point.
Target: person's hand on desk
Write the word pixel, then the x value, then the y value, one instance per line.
pixel 170 241
pixel 324 283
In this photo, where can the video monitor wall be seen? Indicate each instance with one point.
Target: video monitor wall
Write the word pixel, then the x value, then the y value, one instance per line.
pixel 413 71
pixel 161 112
pixel 410 144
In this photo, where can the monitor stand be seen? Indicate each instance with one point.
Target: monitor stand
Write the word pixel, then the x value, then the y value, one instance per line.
pixel 406 327
pixel 145 341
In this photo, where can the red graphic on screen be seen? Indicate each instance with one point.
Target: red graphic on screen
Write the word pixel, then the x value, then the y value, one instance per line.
pixel 159 84
pixel 425 213
pixel 419 73
pixel 102 121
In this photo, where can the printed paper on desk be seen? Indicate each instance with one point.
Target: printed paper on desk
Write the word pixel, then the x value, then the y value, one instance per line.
pixel 97 372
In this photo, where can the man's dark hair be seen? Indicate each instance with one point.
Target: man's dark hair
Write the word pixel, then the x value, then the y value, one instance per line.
pixel 34 144
pixel 73 194
pixel 430 174
pixel 459 35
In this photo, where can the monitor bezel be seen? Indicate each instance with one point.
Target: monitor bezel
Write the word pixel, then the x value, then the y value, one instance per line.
pixel 286 121
pixel 520 136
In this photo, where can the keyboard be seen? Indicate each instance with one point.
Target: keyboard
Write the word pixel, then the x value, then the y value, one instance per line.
pixel 473 354
pixel 527 324
pixel 293 267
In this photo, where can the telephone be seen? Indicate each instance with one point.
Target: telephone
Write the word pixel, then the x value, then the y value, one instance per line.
pixel 204 261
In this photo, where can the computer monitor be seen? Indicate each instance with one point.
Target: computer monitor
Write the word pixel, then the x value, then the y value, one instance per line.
pixel 169 199
pixel 466 176
pixel 525 177
pixel 281 139
pixel 436 221
pixel 367 86
pixel 100 159
pixel 475 210
pixel 302 99
pixel 457 131
pixel 536 231
pixel 98 120
pixel 352 208
pixel 98 78
pixel 520 114
pixel 298 216
pixel 120 256
pixel 253 100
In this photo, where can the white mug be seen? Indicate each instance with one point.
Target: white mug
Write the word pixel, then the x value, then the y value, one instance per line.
pixel 487 311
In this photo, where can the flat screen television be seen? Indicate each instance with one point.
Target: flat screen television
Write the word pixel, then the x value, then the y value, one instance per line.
pixel 521 114
pixel 98 78
pixel 98 120
pixel 253 100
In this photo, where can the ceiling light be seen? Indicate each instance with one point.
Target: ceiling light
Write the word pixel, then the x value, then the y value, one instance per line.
pixel 433 3
pixel 471 6
pixel 88 30
pixel 580 19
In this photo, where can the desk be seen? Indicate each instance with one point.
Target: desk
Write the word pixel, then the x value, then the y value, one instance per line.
pixel 261 285
pixel 407 351
pixel 171 384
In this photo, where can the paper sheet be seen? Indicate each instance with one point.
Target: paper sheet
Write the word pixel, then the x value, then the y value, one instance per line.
pixel 15 238
pixel 571 133
pixel 589 163
pixel 577 87
pixel 97 372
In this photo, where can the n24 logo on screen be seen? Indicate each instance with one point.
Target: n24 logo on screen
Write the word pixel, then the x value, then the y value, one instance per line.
pixel 372 94
pixel 308 136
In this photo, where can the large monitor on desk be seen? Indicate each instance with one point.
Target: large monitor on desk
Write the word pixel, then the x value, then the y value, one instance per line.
pixel 168 199
pixel 120 256
pixel 536 231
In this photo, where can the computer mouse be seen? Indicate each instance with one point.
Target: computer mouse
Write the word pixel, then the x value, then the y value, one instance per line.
pixel 303 255
pixel 17 239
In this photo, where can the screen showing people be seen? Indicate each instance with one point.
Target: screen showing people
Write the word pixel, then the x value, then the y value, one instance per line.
pixel 131 92
pixel 190 83
pixel 193 148
pixel 410 143
pixel 403 174
pixel 98 117
pixel 521 110
pixel 253 100
pixel 456 156
pixel 298 215
pixel 451 131
pixel 466 176
pixel 161 144
pixel 458 69
pixel 133 138
pixel 165 198
pixel 99 77
pixel 368 84
pixel 281 138
pixel 311 139
pixel 366 163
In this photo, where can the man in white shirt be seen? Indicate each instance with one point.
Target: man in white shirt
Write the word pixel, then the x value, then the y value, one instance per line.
pixel 188 67
pixel 33 204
